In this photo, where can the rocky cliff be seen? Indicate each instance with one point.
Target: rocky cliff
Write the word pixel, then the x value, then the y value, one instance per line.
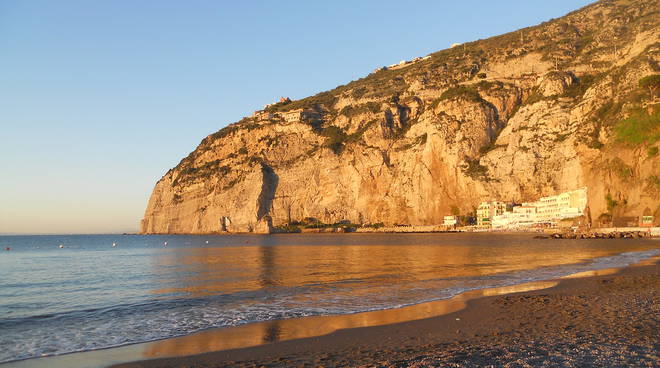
pixel 535 112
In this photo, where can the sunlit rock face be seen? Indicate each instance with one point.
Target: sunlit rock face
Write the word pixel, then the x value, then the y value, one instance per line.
pixel 512 118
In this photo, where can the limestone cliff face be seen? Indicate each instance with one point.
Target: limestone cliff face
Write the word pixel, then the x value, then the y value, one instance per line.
pixel 531 113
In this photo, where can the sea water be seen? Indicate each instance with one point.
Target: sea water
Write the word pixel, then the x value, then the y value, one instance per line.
pixel 62 294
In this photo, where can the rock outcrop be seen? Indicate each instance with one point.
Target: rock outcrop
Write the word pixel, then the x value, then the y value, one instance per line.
pixel 546 109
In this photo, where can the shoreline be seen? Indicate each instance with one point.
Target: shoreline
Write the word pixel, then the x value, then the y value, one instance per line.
pixel 601 315
pixel 549 233
pixel 241 337
pixel 428 229
pixel 400 327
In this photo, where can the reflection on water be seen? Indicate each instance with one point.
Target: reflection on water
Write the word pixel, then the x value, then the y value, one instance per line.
pixel 609 271
pixel 264 264
pixel 267 276
pixel 413 268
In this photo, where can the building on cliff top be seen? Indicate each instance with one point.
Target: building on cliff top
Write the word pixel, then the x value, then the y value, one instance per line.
pixel 403 63
pixel 299 115
pixel 263 115
pixel 282 100
pixel 287 116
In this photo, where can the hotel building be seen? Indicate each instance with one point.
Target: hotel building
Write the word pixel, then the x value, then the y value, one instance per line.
pixel 561 206
pixel 545 211
pixel 488 210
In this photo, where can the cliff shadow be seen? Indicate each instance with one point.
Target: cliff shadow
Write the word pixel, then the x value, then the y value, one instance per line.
pixel 269 184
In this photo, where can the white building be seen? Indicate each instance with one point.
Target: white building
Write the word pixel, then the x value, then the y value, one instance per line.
pixel 525 215
pixel 502 221
pixel 299 115
pixel 488 210
pixel 450 221
pixel 561 206
pixel 263 115
pixel 547 210
pixel 520 217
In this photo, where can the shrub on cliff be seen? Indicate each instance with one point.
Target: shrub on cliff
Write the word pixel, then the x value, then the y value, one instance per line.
pixel 475 170
pixel 324 99
pixel 245 123
pixel 653 185
pixel 611 203
pixel 581 86
pixel 639 128
pixel 191 173
pixel 488 85
pixel 652 83
pixel 465 92
pixel 335 138
pixel 287 228
pixel 354 110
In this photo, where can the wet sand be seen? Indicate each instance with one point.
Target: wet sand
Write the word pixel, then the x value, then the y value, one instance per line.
pixel 608 320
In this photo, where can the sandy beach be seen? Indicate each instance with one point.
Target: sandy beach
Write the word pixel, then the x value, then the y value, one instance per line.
pixel 607 320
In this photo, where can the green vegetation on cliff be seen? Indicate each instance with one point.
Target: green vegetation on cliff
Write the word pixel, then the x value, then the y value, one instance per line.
pixel 639 128
pixel 205 171
pixel 335 138
pixel 652 83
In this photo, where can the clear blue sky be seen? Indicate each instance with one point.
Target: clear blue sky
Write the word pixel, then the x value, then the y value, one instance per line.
pixel 98 99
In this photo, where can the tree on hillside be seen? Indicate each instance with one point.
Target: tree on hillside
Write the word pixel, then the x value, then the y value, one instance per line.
pixel 651 82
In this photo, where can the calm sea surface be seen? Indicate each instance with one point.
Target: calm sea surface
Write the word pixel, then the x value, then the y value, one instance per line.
pixel 90 295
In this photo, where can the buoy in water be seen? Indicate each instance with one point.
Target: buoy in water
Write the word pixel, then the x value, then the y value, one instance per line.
pixel 61 246
pixel 164 244
pixel 7 248
pixel 207 242
pixel 114 244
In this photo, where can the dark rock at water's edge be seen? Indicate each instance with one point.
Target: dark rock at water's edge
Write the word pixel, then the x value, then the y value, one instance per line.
pixel 598 235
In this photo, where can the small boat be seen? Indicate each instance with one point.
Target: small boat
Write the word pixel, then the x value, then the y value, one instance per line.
pixel 61 246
